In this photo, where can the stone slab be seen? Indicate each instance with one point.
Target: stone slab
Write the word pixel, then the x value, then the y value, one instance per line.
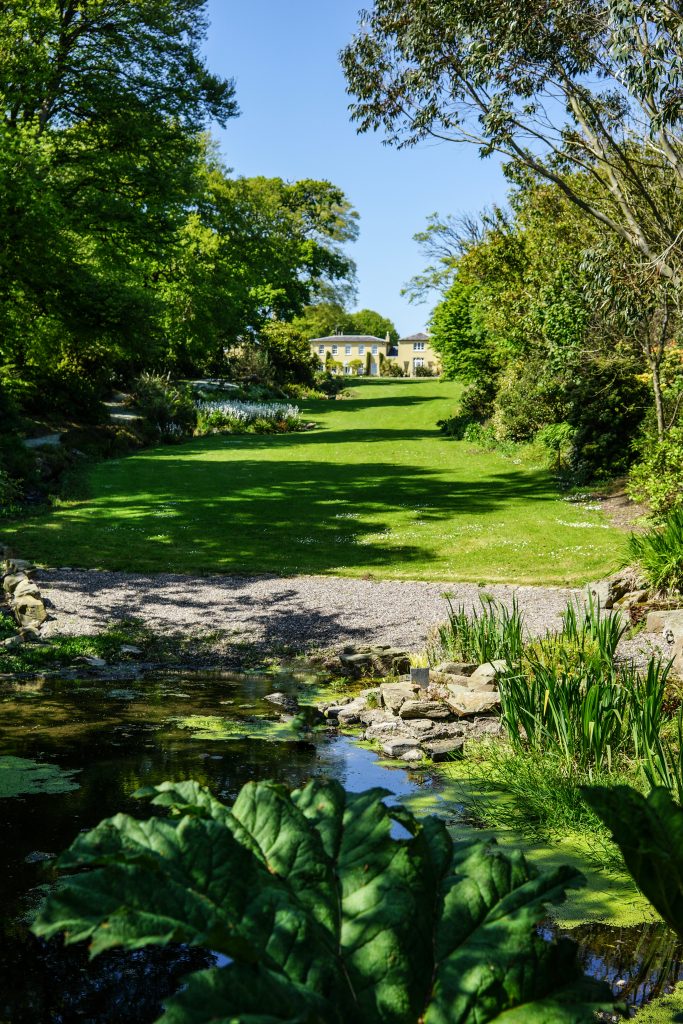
pixel 659 621
pixel 433 709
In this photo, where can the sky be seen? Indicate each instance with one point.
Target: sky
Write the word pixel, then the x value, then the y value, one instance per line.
pixel 294 123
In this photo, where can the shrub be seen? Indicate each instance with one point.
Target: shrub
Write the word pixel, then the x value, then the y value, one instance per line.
pixel 424 371
pixel 657 478
pixel 168 408
pixel 556 441
pixel 527 399
pixel 659 553
pixel 477 399
pixel 320 913
pixel 390 368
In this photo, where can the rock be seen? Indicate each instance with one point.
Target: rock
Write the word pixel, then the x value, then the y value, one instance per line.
pixel 369 715
pixel 30 634
pixel 383 730
pixel 13 641
pixel 472 702
pixel 419 726
pixel 600 591
pixel 612 590
pixel 432 709
pixel 350 713
pixel 29 611
pixel 130 649
pixel 486 726
pixel 91 661
pixel 395 694
pixel 632 598
pixel 488 672
pixel 404 748
pixel 20 565
pixel 677 655
pixel 375 661
pixel 456 668
pixel 286 701
pixel 444 750
pixel 659 622
pixel 12 581
pixel 25 587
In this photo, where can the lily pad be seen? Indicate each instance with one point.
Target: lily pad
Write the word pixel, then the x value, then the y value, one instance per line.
pixel 20 776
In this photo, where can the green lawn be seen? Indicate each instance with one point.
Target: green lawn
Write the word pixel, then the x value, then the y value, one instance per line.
pixel 375 490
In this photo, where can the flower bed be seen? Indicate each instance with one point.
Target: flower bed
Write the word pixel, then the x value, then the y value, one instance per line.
pixel 247 417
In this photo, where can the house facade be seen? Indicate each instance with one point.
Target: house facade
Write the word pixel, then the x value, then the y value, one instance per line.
pixel 351 354
pixel 416 353
pixel 362 354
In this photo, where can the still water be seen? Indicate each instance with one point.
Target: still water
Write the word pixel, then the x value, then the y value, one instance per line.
pixel 117 737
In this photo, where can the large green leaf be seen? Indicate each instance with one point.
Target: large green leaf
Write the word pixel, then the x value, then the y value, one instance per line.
pixel 326 915
pixel 649 833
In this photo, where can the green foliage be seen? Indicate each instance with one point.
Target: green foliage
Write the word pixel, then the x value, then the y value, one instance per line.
pixel 462 348
pixel 557 442
pixel 167 407
pixel 19 776
pixel 390 368
pixel 489 633
pixel 323 914
pixel 289 353
pixel 649 832
pixel 657 478
pixel 528 398
pixel 659 553
pixel 326 318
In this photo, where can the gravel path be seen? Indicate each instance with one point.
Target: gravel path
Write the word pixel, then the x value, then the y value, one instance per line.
pixel 304 611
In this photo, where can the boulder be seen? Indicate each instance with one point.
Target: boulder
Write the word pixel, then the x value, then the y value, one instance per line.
pixel 663 621
pixel 29 611
pixel 370 715
pixel 25 587
pixel 406 749
pixel 632 598
pixel 91 661
pixel 488 672
pixel 418 727
pixel 285 701
pixel 393 695
pixel 677 655
pixel 30 634
pixel 433 709
pixel 456 668
pixel 383 730
pixel 12 581
pixel 445 730
pixel 375 661
pixel 13 641
pixel 609 592
pixel 16 565
pixel 486 726
pixel 350 713
pixel 472 702
pixel 444 750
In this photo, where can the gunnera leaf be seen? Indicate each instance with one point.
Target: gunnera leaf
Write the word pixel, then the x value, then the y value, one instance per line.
pixel 326 915
pixel 649 832
pixel 20 776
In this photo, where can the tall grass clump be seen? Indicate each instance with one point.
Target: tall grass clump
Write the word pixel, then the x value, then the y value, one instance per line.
pixel 235 417
pixel 488 634
pixel 659 553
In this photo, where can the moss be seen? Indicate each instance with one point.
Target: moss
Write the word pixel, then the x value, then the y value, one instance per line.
pixel 213 727
pixel 665 1010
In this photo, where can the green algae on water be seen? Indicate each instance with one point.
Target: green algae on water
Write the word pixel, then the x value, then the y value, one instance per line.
pixel 19 776
pixel 213 727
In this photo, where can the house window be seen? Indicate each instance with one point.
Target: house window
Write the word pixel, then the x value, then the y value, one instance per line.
pixel 347 369
pixel 347 350
pixel 321 350
pixel 361 350
pixel 374 350
pixel 334 350
pixel 418 362
pixel 418 346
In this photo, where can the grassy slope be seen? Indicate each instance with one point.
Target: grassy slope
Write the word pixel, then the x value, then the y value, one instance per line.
pixel 376 490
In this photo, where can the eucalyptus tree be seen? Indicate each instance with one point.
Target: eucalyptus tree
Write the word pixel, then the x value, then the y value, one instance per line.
pixel 580 93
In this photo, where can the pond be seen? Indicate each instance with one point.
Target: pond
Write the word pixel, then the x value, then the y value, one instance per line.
pixel 104 740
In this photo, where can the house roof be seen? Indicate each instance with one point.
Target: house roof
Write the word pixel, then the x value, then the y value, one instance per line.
pixel 416 337
pixel 346 338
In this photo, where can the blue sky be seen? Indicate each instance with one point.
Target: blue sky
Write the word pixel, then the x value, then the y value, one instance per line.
pixel 295 124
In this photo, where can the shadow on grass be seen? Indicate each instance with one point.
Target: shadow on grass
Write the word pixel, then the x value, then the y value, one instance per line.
pixel 247 515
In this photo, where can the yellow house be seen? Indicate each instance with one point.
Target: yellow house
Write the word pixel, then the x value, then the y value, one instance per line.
pixel 416 353
pixel 351 354
pixel 362 354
